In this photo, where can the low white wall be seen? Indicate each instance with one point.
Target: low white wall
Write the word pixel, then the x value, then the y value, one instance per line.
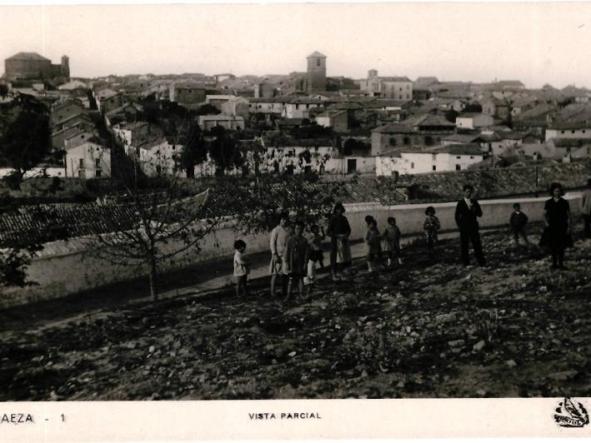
pixel 67 267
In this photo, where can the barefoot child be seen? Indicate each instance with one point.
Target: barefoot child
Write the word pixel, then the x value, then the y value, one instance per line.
pixel 315 254
pixel 392 241
pixel 296 257
pixel 431 228
pixel 373 240
pixel 240 268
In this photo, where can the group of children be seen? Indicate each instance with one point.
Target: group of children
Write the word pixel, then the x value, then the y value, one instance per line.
pixel 297 255
pixel 388 242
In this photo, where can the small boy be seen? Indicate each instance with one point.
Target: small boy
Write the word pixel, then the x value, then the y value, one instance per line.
pixel 518 221
pixel 373 240
pixel 315 254
pixel 295 259
pixel 431 228
pixel 240 268
pixel 392 241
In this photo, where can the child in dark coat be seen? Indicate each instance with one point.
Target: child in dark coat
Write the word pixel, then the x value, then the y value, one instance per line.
pixel 518 221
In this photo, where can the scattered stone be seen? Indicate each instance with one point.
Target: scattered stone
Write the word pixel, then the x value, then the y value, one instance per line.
pixel 479 346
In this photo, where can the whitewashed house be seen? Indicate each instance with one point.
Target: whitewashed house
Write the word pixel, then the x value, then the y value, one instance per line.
pixel 88 160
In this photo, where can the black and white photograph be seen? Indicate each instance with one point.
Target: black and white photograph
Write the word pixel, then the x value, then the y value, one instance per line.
pixel 329 201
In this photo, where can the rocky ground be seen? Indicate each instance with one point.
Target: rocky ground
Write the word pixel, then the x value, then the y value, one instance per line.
pixel 429 328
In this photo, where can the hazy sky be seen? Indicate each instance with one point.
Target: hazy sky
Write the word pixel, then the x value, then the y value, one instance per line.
pixel 535 42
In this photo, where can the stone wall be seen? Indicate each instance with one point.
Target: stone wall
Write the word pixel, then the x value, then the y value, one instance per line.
pixel 67 267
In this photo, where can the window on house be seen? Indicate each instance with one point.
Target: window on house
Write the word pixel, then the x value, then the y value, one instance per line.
pixel 429 140
pixel 98 172
pixel 81 163
pixel 97 163
pixel 471 157
pixel 318 62
pixel 458 157
pixel 562 132
pixel 406 140
pixel 572 132
pixel 412 165
pixel 458 167
pixel 392 141
pixel 434 168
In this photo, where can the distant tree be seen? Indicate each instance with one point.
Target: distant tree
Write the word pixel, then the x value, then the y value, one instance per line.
pixel 352 145
pixel 207 109
pixel 473 107
pixel 451 115
pixel 24 137
pixel 224 150
pixel 194 150
pixel 509 119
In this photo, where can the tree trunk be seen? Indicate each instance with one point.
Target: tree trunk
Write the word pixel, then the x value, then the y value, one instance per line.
pixel 153 279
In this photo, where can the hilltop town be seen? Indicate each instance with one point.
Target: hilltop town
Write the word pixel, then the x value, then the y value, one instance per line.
pixel 379 126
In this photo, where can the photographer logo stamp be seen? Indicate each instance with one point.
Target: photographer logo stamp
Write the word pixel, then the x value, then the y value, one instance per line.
pixel 571 414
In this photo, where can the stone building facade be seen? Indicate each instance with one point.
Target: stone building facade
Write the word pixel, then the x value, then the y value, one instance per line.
pixel 32 66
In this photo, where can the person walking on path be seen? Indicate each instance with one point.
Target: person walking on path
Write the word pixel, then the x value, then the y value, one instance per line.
pixel 339 231
pixel 278 244
pixel 558 224
pixel 518 221
pixel 467 213
pixel 586 209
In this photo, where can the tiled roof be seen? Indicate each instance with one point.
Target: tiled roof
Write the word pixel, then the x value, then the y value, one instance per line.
pixel 47 223
pixel 459 149
pixel 395 79
pixel 395 128
pixel 461 138
pixel 563 125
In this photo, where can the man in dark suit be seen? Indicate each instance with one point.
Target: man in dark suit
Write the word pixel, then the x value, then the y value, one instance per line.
pixel 467 212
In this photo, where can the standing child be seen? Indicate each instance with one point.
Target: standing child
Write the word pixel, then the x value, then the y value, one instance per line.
pixel 431 228
pixel 518 221
pixel 392 241
pixel 315 254
pixel 296 257
pixel 373 240
pixel 240 268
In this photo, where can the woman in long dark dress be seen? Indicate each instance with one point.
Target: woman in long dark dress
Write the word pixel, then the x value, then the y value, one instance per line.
pixel 557 216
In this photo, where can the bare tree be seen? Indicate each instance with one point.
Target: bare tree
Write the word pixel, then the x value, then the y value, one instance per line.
pixel 154 223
